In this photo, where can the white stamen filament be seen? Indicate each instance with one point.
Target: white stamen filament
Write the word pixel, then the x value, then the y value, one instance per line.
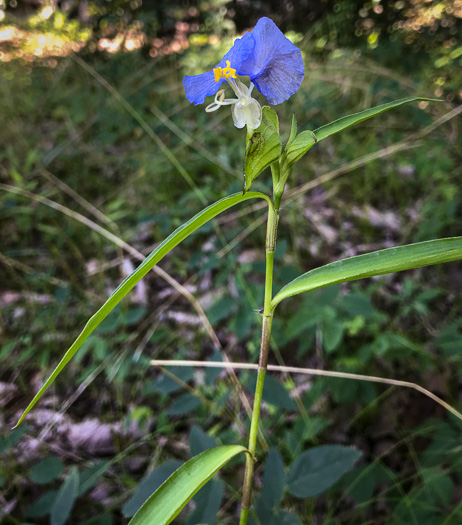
pixel 245 111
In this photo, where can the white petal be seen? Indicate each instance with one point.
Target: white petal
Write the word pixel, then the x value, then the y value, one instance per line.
pixel 238 116
pixel 247 114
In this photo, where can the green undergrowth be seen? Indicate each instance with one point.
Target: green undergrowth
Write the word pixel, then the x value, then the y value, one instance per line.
pixel 68 138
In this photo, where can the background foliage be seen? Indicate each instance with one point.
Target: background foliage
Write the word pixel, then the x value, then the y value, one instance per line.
pixel 94 119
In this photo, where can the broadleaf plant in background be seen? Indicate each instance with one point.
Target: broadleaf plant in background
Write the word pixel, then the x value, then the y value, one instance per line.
pixel 275 68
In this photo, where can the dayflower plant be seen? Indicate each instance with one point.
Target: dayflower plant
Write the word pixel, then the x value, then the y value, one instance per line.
pixel 275 67
pixel 273 63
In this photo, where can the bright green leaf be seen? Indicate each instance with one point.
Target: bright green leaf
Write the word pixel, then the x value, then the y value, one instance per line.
pixel 170 498
pixel 375 263
pixel 317 469
pixel 350 120
pixel 293 131
pixel 124 288
pixel 301 145
pixel 65 499
pixel 263 147
pixel 295 149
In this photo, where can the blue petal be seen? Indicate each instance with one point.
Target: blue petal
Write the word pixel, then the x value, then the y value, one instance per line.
pixel 198 87
pixel 241 50
pixel 275 65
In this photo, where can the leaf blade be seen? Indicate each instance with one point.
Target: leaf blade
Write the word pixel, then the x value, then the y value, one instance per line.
pixel 317 469
pixel 170 498
pixel 350 120
pixel 65 499
pixel 122 290
pixel 371 264
pixel 263 147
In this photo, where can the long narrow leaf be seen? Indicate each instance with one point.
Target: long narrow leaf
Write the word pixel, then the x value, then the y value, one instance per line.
pixel 122 290
pixel 168 500
pixel 345 122
pixel 375 263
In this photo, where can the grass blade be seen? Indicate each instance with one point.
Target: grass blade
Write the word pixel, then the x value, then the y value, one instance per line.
pixel 170 498
pixel 374 263
pixel 122 290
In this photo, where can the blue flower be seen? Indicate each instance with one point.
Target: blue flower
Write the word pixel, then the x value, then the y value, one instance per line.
pixel 273 63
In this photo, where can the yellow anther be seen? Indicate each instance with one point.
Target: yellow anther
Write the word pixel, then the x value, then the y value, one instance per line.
pixel 226 72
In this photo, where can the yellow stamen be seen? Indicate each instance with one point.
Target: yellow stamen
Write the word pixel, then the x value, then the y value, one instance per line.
pixel 226 72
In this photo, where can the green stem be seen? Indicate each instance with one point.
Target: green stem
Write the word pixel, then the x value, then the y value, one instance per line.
pixel 271 232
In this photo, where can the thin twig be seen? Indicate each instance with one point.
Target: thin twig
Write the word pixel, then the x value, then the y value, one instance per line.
pixel 313 371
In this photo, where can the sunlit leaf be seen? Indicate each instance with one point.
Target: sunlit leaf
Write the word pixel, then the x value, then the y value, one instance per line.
pixel 375 263
pixel 124 288
pixel 168 500
pixel 350 120
pixel 295 149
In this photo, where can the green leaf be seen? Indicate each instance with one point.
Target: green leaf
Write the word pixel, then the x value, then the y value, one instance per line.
pixel 361 482
pixel 183 404
pixel 273 480
pixel 149 484
pixel 170 498
pixel 12 438
pixel 208 503
pixel 332 332
pixel 200 441
pixel 350 120
pixel 90 476
pixel 167 385
pixel 273 392
pixel 295 150
pixel 100 519
pixel 317 469
pixel 46 470
pixel 293 131
pixel 122 290
pixel 437 486
pixel 375 263
pixel 43 505
pixel 263 147
pixel 66 497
